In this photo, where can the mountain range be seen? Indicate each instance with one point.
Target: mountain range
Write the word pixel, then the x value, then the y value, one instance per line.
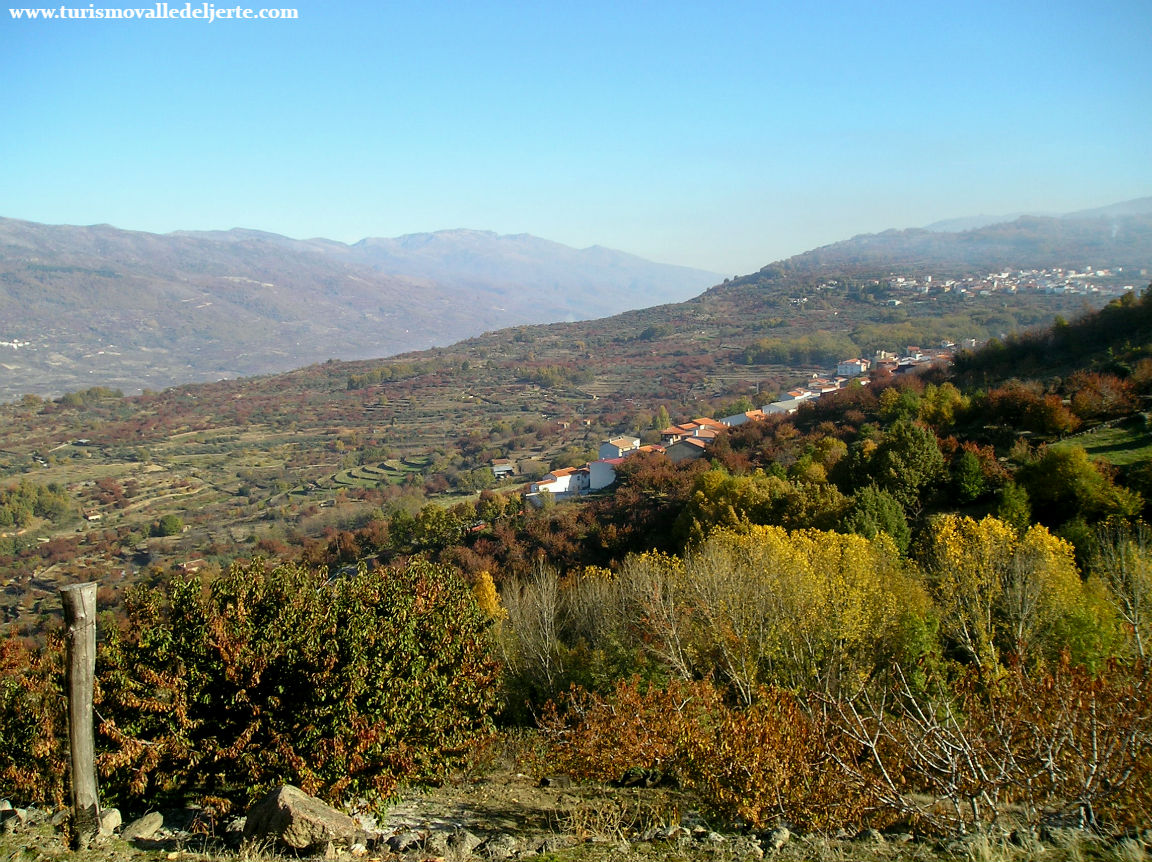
pixel 1117 236
pixel 81 306
pixel 84 306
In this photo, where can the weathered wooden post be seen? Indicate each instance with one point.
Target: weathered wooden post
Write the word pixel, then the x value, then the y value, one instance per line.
pixel 80 616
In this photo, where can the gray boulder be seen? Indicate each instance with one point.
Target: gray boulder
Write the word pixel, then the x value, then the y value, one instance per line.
pixel 291 816
pixel 143 828
pixel 110 821
pixel 501 846
pixel 403 842
pixel 776 839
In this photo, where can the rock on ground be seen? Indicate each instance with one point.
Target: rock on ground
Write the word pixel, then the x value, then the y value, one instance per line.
pixel 143 828
pixel 291 816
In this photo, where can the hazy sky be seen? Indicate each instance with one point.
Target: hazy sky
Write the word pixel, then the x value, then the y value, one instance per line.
pixel 722 135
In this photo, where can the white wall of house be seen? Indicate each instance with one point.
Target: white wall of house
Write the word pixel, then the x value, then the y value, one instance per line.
pixel 556 484
pixel 563 482
pixel 618 447
pixel 602 473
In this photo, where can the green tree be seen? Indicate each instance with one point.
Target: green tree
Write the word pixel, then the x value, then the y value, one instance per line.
pixel 899 405
pixel 719 499
pixel 168 525
pixel 907 463
pixel 967 478
pixel 1063 483
pixel 941 405
pixel 743 404
pixel 1013 507
pixel 661 420
pixel 876 511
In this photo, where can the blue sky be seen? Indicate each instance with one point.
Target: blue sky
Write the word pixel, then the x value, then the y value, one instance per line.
pixel 724 136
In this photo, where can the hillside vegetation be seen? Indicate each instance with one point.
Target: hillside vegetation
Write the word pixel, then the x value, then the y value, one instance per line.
pixel 918 603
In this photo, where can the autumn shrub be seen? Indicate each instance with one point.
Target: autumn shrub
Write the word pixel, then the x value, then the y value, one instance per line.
pixel 771 762
pixel 346 688
pixel 1066 743
pixel 1099 396
pixel 33 722
pixel 756 764
pixel 589 735
pixel 1024 407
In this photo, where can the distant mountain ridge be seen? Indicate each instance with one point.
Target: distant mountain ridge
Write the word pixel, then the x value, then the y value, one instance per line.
pixel 131 309
pixel 83 306
pixel 1139 206
pixel 1029 242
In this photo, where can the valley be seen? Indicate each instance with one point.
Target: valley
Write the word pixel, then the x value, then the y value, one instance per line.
pixel 266 464
pixel 130 310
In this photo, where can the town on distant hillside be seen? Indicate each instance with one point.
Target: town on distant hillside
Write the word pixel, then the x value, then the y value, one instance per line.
pixel 1106 282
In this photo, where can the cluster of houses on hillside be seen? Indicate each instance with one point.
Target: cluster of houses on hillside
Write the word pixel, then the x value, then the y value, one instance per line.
pixel 1103 281
pixel 690 440
pixel 850 369
pixel 684 442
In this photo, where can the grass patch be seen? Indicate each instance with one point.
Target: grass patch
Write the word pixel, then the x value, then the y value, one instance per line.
pixel 396 465
pixel 1120 445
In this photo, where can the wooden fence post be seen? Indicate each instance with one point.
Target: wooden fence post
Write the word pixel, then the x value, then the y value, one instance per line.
pixel 80 616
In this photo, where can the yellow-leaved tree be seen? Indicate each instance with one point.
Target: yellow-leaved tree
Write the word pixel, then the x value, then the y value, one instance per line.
pixel 484 591
pixel 999 591
pixel 806 609
pixel 1124 562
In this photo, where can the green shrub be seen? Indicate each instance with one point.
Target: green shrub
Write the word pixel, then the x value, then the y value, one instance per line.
pixel 344 689
pixel 169 525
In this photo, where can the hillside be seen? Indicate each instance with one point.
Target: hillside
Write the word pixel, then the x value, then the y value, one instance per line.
pixel 1139 206
pixel 1109 237
pixel 276 461
pixel 872 545
pixel 82 306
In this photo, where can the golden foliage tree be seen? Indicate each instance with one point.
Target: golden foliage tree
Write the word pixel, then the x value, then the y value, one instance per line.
pixel 808 608
pixel 999 591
